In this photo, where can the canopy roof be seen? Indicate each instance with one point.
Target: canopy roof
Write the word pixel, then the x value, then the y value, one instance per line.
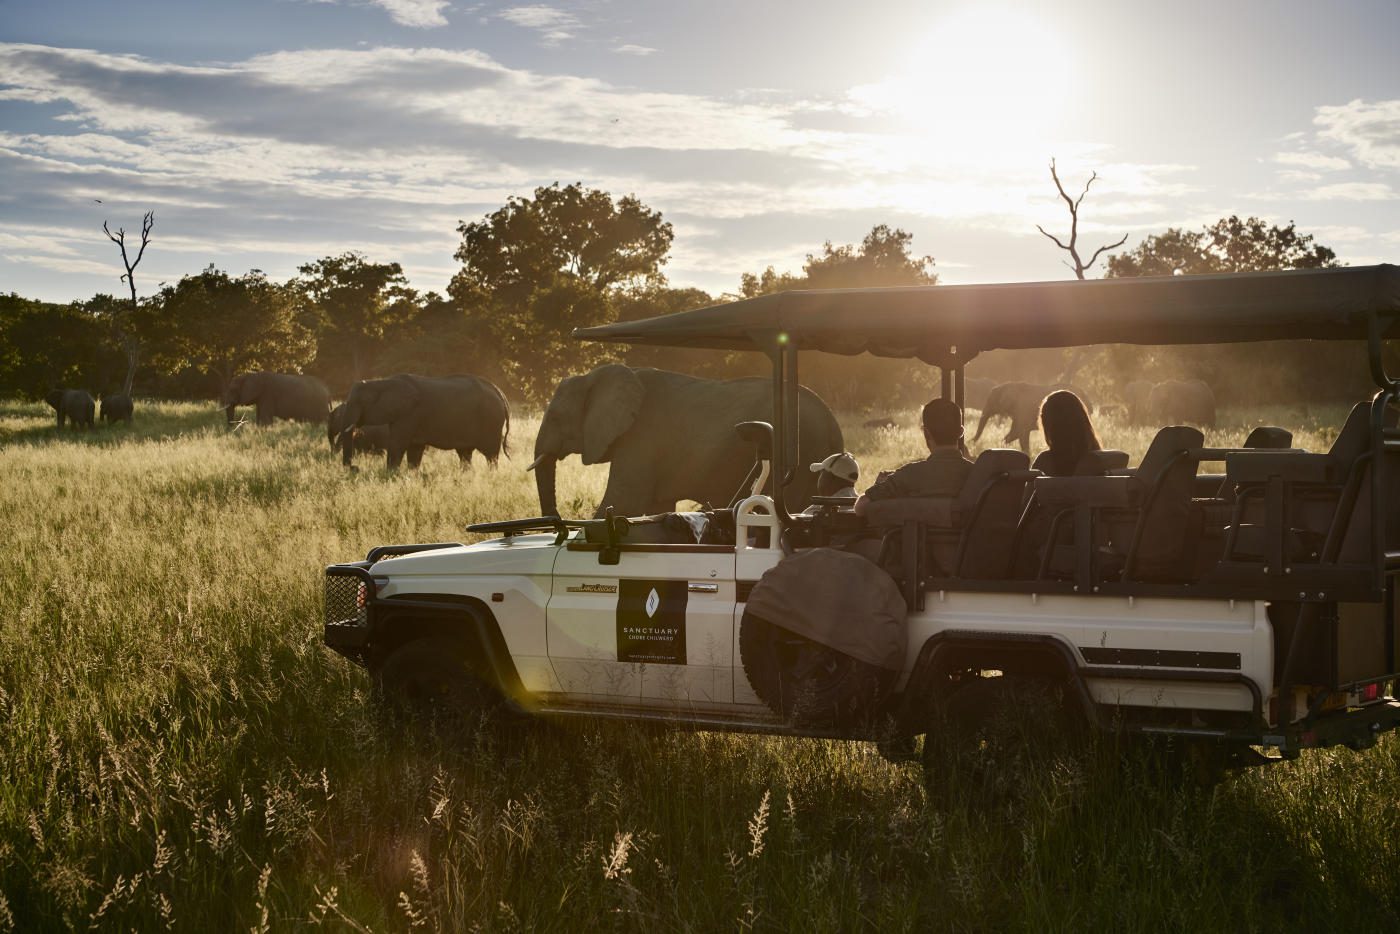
pixel 943 322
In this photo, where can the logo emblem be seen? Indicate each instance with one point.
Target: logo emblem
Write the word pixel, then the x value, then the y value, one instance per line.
pixel 653 601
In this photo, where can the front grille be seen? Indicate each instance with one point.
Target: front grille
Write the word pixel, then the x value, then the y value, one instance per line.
pixel 346 597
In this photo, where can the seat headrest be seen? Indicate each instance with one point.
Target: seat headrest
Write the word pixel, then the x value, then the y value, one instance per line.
pixel 1269 437
pixel 988 465
pixel 1355 436
pixel 1168 443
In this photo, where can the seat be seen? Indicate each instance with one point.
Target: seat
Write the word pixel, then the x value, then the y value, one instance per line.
pixel 1313 499
pixel 962 536
pixel 1138 523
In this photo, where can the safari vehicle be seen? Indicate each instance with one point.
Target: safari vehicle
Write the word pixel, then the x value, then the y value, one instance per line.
pixel 1253 605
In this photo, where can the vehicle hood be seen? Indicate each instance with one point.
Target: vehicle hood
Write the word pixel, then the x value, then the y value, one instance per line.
pixel 519 554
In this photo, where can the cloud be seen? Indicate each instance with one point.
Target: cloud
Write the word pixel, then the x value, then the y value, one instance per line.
pixel 1370 130
pixel 283 157
pixel 1312 160
pixel 1351 191
pixel 423 14
pixel 553 25
pixel 630 49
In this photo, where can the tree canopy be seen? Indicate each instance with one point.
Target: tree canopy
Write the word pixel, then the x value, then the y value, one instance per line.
pixel 571 232
pixel 355 304
pixel 217 324
pixel 1228 245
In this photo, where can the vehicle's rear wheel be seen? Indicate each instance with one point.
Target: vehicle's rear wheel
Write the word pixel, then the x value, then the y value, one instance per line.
pixel 807 683
pixel 431 677
pixel 993 737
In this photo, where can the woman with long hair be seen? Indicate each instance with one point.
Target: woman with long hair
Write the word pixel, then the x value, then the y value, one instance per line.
pixel 1064 423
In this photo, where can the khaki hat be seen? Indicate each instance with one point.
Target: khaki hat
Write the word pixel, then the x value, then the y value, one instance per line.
pixel 842 466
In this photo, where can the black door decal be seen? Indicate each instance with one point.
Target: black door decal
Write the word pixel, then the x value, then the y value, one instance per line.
pixel 651 621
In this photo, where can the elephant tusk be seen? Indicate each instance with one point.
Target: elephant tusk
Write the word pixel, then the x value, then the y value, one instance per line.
pixel 537 461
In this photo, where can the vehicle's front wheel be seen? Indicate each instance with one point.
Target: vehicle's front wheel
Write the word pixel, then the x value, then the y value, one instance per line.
pixel 431 677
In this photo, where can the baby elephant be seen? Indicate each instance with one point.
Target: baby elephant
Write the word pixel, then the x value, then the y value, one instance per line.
pixel 116 407
pixel 75 405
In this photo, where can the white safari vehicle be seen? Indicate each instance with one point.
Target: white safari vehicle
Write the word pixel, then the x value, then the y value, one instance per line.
pixel 1244 597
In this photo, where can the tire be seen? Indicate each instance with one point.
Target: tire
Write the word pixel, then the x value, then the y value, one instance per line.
pixel 808 684
pixel 994 740
pixel 432 678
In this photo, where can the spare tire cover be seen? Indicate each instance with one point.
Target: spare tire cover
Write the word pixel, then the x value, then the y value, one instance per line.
pixel 837 599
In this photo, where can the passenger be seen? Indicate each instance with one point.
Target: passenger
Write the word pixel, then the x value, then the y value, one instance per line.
pixel 942 473
pixel 837 475
pixel 1064 423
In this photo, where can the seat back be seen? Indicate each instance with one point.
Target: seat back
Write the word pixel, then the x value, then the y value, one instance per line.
pixel 990 505
pixel 1166 479
pixel 1099 463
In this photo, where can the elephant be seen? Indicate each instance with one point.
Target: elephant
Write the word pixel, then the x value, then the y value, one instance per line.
pixel 975 391
pixel 1135 397
pixel 75 405
pixel 1182 402
pixel 369 438
pixel 278 395
pixel 1020 402
pixel 669 436
pixel 116 408
pixel 458 413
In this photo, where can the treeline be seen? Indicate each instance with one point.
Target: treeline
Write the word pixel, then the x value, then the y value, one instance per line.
pixel 570 257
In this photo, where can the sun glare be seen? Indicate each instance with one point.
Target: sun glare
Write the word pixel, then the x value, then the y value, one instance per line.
pixel 979 80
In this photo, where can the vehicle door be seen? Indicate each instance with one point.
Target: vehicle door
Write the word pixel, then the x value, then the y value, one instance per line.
pixel 655 628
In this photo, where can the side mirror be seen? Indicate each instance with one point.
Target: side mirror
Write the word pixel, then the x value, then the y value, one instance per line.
pixel 760 435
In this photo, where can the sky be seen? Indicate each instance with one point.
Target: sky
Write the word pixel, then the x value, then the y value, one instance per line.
pixel 269 133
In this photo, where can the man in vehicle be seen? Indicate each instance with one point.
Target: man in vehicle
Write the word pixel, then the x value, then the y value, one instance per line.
pixel 837 475
pixel 940 474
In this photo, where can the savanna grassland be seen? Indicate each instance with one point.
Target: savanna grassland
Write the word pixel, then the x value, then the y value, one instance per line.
pixel 178 750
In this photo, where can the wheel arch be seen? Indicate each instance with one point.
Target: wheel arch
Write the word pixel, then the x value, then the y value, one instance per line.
pixel 947 653
pixel 404 618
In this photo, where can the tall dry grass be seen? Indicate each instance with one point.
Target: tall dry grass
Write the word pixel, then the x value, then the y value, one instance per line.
pixel 177 749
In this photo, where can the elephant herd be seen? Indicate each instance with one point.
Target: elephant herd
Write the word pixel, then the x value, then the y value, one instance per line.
pixel 666 436
pixel 76 407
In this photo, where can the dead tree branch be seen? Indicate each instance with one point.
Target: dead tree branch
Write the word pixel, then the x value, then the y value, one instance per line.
pixel 1072 248
pixel 130 344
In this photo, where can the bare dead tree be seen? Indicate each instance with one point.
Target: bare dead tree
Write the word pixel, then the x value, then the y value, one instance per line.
pixel 131 345
pixel 1072 248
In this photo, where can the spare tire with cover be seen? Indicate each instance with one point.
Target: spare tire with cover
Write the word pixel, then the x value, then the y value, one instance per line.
pixel 823 639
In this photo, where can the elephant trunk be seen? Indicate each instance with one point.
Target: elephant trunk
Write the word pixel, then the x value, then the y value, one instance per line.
pixel 982 422
pixel 544 468
pixel 347 446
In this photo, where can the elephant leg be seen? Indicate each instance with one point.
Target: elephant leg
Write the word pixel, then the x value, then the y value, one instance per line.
pixel 415 455
pixel 464 456
pixel 264 416
pixel 627 493
pixel 393 457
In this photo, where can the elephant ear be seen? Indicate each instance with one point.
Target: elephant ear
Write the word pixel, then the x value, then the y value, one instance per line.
pixel 614 399
pixel 394 399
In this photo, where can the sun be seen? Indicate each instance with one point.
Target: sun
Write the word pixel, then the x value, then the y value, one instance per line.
pixel 980 79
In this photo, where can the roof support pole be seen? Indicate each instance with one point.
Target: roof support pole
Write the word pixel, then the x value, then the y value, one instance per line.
pixel 945 379
pixel 783 357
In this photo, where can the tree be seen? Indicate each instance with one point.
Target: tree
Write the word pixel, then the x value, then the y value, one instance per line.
pixel 574 232
pixel 355 304
pixel 1228 245
pixel 1265 372
pixel 539 267
pixel 883 258
pixel 124 324
pixel 1072 248
pixel 220 325
pixel 46 346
